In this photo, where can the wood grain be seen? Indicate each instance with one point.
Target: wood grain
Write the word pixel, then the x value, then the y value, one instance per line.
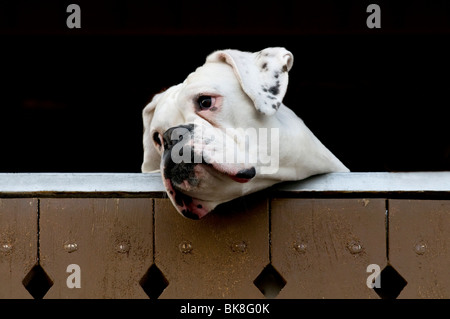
pixel 419 247
pixel 113 240
pixel 225 252
pixel 18 245
pixel 322 247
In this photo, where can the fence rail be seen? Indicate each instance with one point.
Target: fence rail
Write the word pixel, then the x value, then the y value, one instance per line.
pixel 329 236
pixel 49 184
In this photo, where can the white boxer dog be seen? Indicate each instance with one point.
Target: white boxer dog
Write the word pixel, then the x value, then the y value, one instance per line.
pixel 224 132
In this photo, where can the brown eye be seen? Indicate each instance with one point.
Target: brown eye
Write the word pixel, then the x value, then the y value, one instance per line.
pixel 205 102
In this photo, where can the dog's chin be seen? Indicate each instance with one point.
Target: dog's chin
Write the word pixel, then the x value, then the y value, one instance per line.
pixel 197 196
pixel 187 205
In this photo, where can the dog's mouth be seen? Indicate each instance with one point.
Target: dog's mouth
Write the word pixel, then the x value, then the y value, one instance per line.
pixel 195 184
pixel 186 205
pixel 184 188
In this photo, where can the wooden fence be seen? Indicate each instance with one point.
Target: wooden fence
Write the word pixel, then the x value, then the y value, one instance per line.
pixel 330 236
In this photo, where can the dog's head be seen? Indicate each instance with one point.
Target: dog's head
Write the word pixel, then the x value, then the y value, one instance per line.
pixel 210 135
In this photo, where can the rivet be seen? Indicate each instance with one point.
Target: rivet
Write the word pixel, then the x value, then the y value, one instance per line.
pixel 365 202
pixel 420 248
pixel 123 247
pixel 185 247
pixel 5 248
pixel 239 247
pixel 70 247
pixel 355 247
pixel 300 247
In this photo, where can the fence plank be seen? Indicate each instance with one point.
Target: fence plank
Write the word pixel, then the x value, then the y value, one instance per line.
pixel 218 256
pixel 322 247
pixel 110 239
pixel 419 246
pixel 18 245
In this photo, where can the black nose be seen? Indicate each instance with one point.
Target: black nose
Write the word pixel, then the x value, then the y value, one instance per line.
pixel 179 163
pixel 176 134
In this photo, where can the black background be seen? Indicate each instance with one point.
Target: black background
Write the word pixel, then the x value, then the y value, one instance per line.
pixel 71 99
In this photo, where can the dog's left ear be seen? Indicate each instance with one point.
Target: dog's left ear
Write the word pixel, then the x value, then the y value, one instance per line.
pixel 151 157
pixel 263 75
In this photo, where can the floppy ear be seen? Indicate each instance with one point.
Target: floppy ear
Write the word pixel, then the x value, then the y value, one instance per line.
pixel 263 75
pixel 151 157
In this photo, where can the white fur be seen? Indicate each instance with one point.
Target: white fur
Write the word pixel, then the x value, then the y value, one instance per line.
pixel 247 82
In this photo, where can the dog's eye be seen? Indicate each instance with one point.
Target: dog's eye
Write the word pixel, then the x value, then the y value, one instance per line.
pixel 205 102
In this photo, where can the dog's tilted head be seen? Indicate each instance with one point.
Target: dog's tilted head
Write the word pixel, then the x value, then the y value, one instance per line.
pixel 224 131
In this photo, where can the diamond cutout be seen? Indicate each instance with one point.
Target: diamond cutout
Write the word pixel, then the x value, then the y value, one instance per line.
pixel 153 282
pixel 269 282
pixel 37 282
pixel 391 283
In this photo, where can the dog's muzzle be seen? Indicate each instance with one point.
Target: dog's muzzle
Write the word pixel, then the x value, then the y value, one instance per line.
pixel 180 158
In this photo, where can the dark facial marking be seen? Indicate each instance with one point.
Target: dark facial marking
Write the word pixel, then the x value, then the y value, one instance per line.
pixel 182 199
pixel 187 213
pixel 276 106
pixel 180 172
pixel 179 200
pixel 275 89
pixel 246 173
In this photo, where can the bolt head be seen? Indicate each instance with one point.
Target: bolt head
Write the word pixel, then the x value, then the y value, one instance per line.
pixel 240 246
pixel 6 248
pixel 185 247
pixel 70 247
pixel 355 247
pixel 420 248
pixel 300 247
pixel 123 247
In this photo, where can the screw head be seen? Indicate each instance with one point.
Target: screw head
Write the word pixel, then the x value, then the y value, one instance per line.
pixel 185 247
pixel 6 248
pixel 300 247
pixel 420 248
pixel 123 247
pixel 240 246
pixel 355 247
pixel 70 247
